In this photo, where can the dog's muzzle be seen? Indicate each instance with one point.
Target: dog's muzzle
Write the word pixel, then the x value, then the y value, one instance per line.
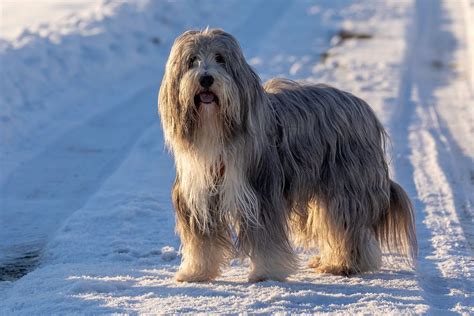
pixel 206 96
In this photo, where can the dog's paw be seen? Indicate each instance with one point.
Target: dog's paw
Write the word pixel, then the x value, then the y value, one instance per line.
pixel 335 270
pixel 185 276
pixel 256 279
pixel 314 262
pixel 260 277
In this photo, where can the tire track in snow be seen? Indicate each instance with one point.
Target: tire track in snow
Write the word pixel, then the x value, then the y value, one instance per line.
pixel 59 180
pixel 444 261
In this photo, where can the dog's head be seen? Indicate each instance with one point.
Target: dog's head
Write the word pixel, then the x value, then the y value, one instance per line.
pixel 207 84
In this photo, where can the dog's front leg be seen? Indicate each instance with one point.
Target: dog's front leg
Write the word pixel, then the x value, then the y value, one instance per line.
pixel 270 252
pixel 203 256
pixel 204 251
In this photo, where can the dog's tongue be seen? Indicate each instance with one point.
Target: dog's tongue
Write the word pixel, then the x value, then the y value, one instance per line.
pixel 206 97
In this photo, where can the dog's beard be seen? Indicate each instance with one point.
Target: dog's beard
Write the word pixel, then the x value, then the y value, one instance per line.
pixel 199 163
pixel 212 165
pixel 209 127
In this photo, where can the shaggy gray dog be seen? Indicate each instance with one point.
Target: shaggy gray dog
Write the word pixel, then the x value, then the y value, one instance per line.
pixel 260 167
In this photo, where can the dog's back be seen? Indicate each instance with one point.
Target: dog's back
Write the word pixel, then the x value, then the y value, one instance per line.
pixel 322 108
pixel 325 135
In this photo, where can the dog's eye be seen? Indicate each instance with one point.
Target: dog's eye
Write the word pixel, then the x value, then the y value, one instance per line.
pixel 191 61
pixel 220 59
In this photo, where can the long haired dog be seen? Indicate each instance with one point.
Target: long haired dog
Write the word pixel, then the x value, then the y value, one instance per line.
pixel 259 165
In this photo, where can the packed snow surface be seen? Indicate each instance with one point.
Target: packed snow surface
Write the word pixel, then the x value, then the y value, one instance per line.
pixel 85 180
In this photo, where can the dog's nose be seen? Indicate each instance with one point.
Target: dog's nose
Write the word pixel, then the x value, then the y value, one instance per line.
pixel 206 81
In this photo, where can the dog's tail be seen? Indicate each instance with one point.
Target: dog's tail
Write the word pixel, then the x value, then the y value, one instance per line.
pixel 396 229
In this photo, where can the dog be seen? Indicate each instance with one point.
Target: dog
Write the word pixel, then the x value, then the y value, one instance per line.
pixel 262 168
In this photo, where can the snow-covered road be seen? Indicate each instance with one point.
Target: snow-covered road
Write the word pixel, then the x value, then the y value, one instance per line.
pixel 85 181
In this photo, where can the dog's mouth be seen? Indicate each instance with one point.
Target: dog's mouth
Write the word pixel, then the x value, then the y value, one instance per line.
pixel 205 98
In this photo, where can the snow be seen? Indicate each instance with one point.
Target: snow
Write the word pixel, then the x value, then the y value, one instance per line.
pixel 16 15
pixel 85 179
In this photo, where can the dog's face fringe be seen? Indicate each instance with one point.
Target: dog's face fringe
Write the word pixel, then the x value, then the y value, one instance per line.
pixel 236 88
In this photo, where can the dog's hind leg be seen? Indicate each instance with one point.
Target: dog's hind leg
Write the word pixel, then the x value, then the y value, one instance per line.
pixel 347 245
pixel 349 254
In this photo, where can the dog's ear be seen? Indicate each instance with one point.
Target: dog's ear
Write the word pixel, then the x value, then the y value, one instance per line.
pixel 239 68
pixel 168 97
pixel 248 82
pixel 174 71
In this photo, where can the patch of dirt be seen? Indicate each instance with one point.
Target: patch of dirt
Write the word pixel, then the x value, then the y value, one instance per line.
pixel 340 37
pixel 18 267
pixel 345 35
